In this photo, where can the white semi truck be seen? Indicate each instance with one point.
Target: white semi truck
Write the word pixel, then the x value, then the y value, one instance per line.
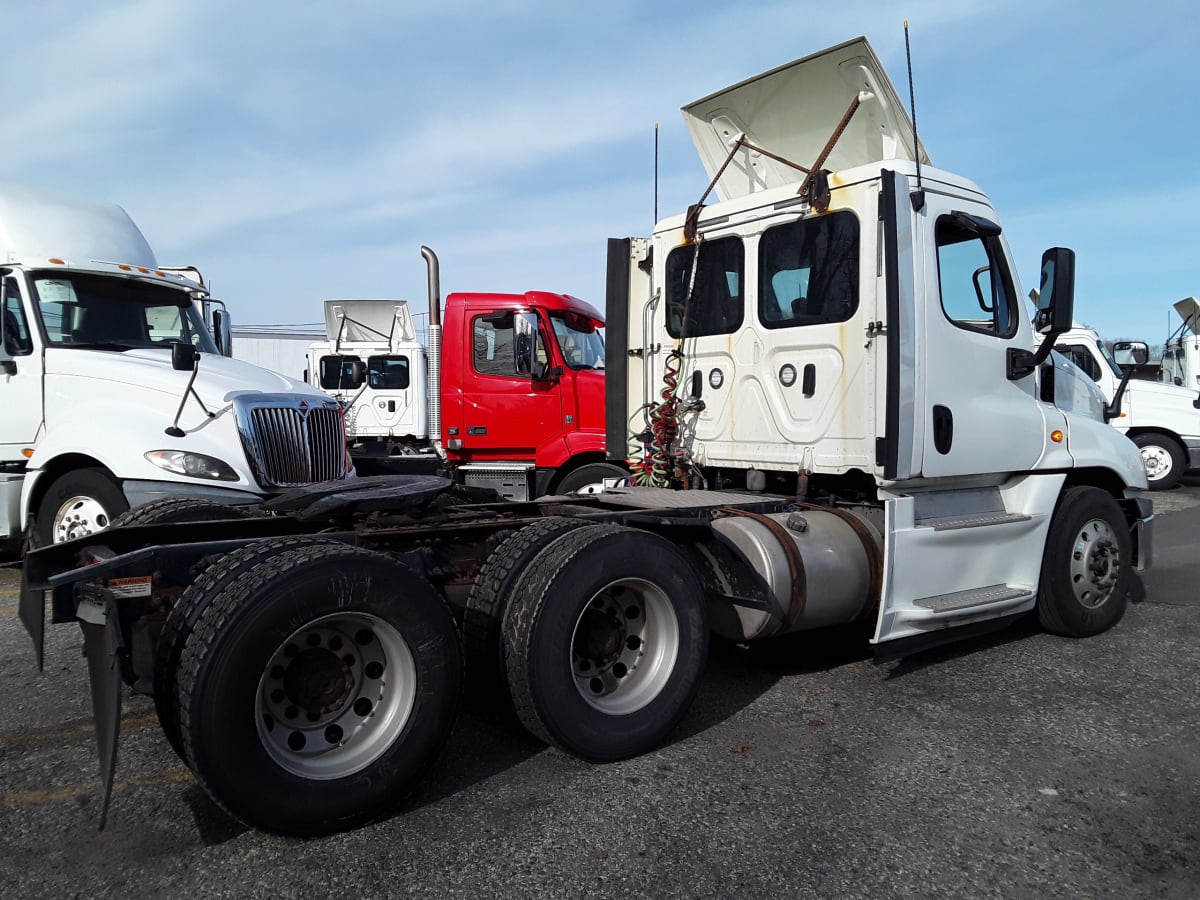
pixel 1181 353
pixel 1161 419
pixel 838 415
pixel 112 391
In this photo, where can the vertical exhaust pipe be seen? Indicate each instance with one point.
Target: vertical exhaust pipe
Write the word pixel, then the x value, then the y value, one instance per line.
pixel 435 351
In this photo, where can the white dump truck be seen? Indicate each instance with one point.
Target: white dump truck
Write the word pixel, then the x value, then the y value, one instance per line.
pixel 112 391
pixel 1162 419
pixel 837 414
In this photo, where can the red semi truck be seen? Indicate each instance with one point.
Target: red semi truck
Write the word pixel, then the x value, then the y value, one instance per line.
pixel 507 391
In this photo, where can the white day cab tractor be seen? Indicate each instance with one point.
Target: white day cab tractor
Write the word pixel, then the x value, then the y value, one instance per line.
pixel 836 414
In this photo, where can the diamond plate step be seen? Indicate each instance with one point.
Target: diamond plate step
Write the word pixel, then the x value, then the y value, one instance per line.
pixel 974 597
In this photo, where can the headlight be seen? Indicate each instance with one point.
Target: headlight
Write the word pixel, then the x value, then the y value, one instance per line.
pixel 193 465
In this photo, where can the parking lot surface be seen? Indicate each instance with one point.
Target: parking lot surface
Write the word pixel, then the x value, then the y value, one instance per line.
pixel 1017 765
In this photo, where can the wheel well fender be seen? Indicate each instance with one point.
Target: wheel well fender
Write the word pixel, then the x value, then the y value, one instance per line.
pixel 38 482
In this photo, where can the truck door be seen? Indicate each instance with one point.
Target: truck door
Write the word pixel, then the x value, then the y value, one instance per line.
pixel 974 419
pixel 21 401
pixel 509 414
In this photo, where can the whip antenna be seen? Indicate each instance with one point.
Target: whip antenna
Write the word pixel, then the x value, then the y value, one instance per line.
pixel 918 196
pixel 655 173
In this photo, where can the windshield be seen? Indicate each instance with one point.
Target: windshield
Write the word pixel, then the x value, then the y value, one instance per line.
pixel 1108 358
pixel 581 348
pixel 103 312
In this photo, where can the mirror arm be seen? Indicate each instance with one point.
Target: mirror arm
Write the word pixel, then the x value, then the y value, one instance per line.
pixel 1022 362
pixel 1113 410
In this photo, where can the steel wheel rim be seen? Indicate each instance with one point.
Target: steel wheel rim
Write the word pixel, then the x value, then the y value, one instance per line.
pixel 1157 461
pixel 1095 563
pixel 77 517
pixel 624 646
pixel 335 695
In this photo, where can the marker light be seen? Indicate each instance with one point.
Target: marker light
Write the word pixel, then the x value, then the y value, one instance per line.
pixel 58 262
pixel 1056 436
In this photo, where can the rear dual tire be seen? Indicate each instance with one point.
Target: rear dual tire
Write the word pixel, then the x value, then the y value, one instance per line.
pixel 317 686
pixel 605 639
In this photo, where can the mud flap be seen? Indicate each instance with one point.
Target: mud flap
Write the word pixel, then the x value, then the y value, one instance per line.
pixel 31 610
pixel 103 647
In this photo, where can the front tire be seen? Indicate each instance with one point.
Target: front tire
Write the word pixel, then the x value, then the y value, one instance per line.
pixel 77 504
pixel 317 688
pixel 592 473
pixel 1163 459
pixel 605 640
pixel 1087 567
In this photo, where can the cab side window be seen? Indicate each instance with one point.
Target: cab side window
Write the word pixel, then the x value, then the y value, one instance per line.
pixel 808 271
pixel 712 302
pixel 976 288
pixel 493 348
pixel 1082 358
pixel 337 373
pixel 17 341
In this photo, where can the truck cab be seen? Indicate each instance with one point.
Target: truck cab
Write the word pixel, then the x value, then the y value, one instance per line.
pixel 1161 419
pixel 113 391
pixel 845 321
pixel 523 391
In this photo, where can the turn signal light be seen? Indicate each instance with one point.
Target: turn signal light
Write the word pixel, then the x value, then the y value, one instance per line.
pixel 1056 436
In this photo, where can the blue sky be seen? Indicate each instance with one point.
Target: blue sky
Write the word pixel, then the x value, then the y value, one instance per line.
pixel 296 151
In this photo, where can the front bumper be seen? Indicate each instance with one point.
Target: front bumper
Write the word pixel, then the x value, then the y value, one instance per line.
pixel 1193 452
pixel 139 493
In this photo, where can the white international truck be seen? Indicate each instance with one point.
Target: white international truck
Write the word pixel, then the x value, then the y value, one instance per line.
pixel 1161 419
pixel 838 416
pixel 112 391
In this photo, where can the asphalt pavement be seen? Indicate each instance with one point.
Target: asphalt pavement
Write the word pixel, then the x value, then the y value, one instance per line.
pixel 1015 766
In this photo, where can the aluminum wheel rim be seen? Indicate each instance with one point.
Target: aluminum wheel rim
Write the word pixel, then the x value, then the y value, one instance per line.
pixel 335 695
pixel 1157 461
pixel 624 646
pixel 77 517
pixel 1095 563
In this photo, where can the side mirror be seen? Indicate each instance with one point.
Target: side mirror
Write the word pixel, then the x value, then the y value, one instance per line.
pixel 525 332
pixel 1131 353
pixel 358 371
pixel 1055 310
pixel 1056 295
pixel 184 357
pixel 223 331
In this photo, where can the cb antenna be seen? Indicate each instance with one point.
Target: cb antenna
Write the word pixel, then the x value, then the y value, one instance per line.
pixel 918 196
pixel 655 222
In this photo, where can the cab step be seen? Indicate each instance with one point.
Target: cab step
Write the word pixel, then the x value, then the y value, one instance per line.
pixel 983 596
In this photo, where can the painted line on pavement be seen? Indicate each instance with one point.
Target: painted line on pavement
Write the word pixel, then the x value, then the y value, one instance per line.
pixel 42 736
pixel 41 798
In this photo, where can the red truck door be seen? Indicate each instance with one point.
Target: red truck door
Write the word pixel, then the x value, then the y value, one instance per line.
pixel 507 414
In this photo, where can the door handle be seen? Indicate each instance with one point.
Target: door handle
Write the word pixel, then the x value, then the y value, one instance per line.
pixel 943 429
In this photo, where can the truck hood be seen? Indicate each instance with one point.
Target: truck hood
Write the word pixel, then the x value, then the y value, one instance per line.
pixel 217 377
pixel 793 111
pixel 1189 310
pixel 1160 394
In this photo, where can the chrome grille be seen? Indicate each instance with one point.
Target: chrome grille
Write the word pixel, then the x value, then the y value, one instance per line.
pixel 295 442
